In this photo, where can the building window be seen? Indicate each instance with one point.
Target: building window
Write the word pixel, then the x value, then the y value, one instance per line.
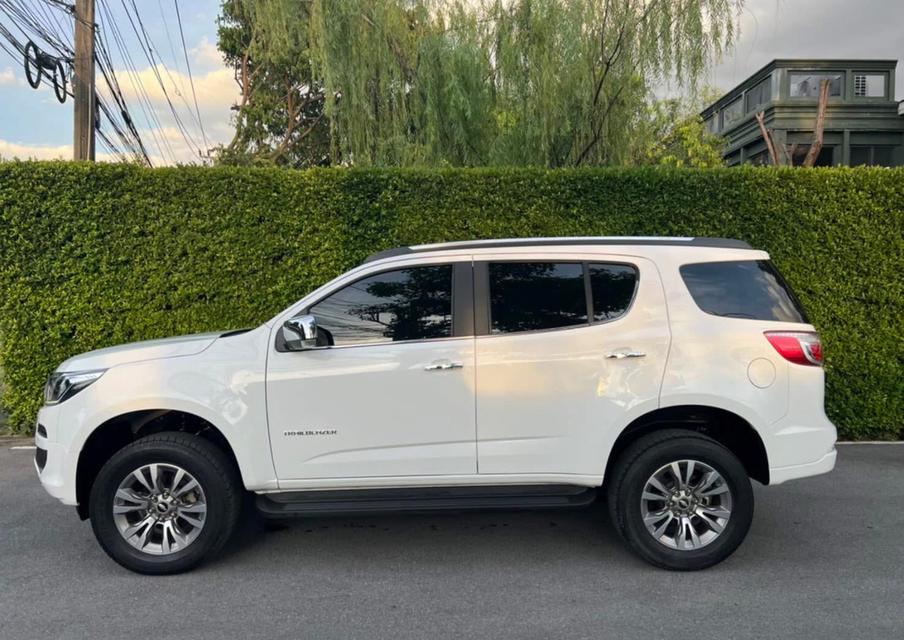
pixel 759 95
pixel 826 157
pixel 869 85
pixel 872 156
pixel 712 123
pixel 806 85
pixel 732 112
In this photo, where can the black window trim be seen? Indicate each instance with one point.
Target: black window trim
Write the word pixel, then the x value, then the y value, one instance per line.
pixel 462 304
pixel 482 316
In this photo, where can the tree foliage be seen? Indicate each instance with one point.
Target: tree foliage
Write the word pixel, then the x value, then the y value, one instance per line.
pixel 673 134
pixel 280 118
pixel 452 82
pixel 97 254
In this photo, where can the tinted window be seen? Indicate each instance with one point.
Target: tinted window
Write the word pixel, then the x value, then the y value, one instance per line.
pixel 407 304
pixel 742 289
pixel 760 94
pixel 806 85
pixel 612 287
pixel 527 296
pixel 732 112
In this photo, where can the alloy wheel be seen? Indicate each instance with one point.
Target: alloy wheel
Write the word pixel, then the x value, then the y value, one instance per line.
pixel 159 508
pixel 686 505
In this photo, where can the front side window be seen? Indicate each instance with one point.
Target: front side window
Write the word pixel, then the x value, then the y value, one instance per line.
pixel 751 289
pixel 530 296
pixel 405 304
pixel 806 85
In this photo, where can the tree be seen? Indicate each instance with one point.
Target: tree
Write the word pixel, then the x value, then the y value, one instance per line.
pixel 448 82
pixel 786 157
pixel 280 117
pixel 672 133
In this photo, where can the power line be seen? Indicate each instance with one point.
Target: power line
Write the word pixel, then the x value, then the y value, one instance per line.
pixel 191 80
pixel 148 50
pixel 144 101
pixel 40 22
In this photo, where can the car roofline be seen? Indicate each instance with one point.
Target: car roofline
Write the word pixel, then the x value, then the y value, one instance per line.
pixel 719 243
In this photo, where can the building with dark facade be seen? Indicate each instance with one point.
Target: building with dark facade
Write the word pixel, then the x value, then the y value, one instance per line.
pixel 864 124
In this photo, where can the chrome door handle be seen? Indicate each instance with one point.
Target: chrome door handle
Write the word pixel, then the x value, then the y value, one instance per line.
pixel 443 366
pixel 620 355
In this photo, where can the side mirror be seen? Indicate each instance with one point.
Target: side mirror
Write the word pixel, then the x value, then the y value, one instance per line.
pixel 300 333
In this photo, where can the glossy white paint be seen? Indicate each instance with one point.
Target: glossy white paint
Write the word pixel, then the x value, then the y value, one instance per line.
pixel 138 351
pixel 224 384
pixel 549 401
pixel 382 412
pixel 526 408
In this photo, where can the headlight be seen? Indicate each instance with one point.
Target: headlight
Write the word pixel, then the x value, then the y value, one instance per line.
pixel 61 386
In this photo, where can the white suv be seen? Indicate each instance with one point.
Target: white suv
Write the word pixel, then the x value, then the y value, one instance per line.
pixel 535 373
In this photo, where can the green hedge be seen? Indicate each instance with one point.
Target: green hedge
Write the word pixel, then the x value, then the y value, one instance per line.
pixel 94 255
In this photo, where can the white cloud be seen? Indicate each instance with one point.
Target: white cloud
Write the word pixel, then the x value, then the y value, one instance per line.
pixel 9 150
pixel 7 77
pixel 206 56
pixel 216 92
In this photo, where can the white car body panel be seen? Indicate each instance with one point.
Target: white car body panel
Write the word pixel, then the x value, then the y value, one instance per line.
pixel 550 401
pixel 543 407
pixel 382 413
pixel 138 351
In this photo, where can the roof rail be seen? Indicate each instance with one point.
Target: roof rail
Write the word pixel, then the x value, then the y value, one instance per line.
pixel 721 243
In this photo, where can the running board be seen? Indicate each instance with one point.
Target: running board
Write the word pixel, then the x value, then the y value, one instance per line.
pixel 425 499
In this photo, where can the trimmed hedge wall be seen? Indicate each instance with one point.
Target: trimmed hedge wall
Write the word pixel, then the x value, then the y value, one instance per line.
pixel 94 255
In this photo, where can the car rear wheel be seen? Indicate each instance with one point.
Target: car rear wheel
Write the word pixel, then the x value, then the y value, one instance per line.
pixel 680 500
pixel 165 503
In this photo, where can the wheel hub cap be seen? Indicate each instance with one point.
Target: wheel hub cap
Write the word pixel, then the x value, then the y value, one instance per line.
pixel 686 505
pixel 159 509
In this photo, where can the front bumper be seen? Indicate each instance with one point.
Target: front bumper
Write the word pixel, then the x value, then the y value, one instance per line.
pixel 55 476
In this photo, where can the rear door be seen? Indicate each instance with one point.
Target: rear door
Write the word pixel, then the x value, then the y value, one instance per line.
pixel 567 350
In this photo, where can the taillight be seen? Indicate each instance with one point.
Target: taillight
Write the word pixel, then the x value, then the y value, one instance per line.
pixel 799 347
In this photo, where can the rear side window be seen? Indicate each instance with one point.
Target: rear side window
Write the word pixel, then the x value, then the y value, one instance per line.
pixel 751 289
pixel 612 287
pixel 529 296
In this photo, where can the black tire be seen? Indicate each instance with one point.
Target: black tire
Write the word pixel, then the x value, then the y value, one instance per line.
pixel 210 467
pixel 640 461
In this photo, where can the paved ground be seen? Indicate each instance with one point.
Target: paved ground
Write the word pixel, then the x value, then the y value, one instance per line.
pixel 824 559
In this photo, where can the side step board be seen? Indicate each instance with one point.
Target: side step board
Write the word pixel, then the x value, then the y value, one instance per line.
pixel 424 499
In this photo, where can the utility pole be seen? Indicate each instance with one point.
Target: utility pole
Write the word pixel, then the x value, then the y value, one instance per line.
pixel 83 81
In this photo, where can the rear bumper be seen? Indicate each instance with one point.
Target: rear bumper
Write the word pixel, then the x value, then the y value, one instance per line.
pixel 778 475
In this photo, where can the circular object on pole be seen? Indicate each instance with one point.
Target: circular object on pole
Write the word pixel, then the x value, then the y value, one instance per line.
pixel 32 64
pixel 59 82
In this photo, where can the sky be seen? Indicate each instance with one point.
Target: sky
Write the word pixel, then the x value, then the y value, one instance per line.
pixel 771 29
pixel 34 124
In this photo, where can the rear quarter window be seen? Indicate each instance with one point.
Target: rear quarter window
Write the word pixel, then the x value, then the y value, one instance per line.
pixel 752 289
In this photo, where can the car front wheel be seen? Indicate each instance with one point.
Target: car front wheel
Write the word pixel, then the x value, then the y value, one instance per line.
pixel 680 500
pixel 165 503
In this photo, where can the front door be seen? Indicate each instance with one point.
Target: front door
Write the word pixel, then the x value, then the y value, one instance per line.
pixel 393 394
